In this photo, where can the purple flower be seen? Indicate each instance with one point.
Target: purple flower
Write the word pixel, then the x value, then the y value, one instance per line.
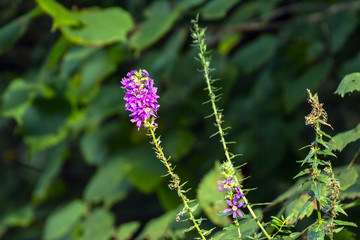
pixel 140 97
pixel 238 193
pixel 234 207
pixel 225 184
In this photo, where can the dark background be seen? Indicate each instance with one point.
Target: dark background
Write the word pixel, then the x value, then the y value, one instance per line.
pixel 266 54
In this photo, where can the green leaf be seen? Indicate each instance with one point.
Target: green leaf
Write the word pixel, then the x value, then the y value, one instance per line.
pixel 96 69
pixel 345 234
pixel 159 21
pixel 341 140
pixel 341 26
pixel 19 96
pixel 61 16
pixel 316 232
pixel 347 176
pixel 299 207
pixel 53 114
pixel 108 182
pixel 216 9
pixel 95 145
pixel 208 195
pixel 55 156
pixel 127 230
pixel 344 223
pixel 63 220
pixel 348 84
pixel 57 51
pixel 99 225
pixel 144 170
pixel 295 91
pixel 256 53
pixel 20 217
pixel 99 26
pixel 156 228
pixel 14 30
pixel 178 143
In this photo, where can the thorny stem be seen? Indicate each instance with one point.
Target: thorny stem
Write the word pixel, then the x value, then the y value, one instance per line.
pixel 199 37
pixel 175 179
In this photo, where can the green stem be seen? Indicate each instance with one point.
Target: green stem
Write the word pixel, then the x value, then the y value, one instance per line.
pixel 315 158
pixel 205 63
pixel 176 180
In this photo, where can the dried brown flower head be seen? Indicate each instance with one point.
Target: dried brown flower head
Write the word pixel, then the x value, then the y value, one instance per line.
pixel 317 111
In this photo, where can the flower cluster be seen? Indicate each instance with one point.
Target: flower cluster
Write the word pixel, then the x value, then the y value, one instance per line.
pixel 234 199
pixel 141 98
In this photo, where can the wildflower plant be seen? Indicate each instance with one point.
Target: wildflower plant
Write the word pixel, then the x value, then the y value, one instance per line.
pixel 228 170
pixel 141 101
pixel 325 188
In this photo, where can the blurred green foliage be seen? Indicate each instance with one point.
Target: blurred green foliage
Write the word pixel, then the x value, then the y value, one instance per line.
pixel 74 167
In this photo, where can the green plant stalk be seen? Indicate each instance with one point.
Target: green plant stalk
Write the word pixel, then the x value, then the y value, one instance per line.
pixel 175 179
pixel 316 159
pixel 205 63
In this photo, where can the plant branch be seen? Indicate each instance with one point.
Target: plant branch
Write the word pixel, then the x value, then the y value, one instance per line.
pixel 175 183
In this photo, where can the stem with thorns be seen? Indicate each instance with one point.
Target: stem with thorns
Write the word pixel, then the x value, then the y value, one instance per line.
pixel 175 180
pixel 199 39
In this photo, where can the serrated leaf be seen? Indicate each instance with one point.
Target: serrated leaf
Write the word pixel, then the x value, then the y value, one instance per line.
pixel 295 206
pixel 159 21
pixel 127 230
pixel 99 225
pixel 341 140
pixel 316 232
pixel 63 220
pixel 346 176
pixel 97 26
pixel 348 84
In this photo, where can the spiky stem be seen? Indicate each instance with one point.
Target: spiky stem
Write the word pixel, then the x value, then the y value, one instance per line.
pixel 175 180
pixel 199 39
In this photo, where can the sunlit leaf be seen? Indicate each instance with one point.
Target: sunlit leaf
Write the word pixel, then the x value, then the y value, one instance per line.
pixel 341 140
pixel 61 16
pixel 348 84
pixel 97 26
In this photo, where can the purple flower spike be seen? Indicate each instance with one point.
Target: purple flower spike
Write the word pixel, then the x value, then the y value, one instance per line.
pixel 225 184
pixel 140 97
pixel 234 207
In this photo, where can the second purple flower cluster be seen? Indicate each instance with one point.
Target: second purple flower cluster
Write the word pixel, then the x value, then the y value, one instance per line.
pixel 234 202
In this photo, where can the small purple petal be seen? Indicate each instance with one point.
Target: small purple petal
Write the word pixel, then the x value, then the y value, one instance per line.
pixel 227 210
pixel 239 213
